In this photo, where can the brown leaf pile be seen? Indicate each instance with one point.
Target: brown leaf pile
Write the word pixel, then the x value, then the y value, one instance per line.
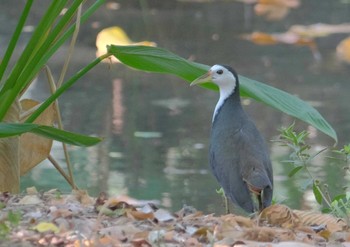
pixel 51 219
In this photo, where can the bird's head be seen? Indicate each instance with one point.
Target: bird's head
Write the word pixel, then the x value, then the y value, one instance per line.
pixel 221 75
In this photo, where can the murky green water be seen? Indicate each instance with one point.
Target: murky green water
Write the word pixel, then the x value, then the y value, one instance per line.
pixel 156 127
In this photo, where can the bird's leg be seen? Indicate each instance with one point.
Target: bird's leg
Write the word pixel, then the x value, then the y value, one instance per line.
pixel 260 202
pixel 227 208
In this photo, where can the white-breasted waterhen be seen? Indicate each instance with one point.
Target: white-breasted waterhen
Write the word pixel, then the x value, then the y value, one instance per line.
pixel 238 154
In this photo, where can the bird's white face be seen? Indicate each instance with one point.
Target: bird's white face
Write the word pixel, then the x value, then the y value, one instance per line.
pixel 223 78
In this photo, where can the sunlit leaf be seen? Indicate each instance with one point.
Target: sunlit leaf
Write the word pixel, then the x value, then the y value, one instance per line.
pixel 117 36
pixel 45 227
pixel 343 50
pixel 159 60
pixel 13 129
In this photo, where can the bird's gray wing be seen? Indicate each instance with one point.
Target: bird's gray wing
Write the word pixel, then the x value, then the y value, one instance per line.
pixel 255 162
pixel 225 164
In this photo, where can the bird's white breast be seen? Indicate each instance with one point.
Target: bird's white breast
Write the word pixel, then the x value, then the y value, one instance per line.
pixel 225 92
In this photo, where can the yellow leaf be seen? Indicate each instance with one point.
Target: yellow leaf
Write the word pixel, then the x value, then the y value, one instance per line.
pixel 116 36
pixel 343 50
pixel 45 227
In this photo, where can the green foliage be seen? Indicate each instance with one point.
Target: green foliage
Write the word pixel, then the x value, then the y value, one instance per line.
pixel 50 33
pixel 12 129
pixel 159 60
pixel 10 221
pixel 301 158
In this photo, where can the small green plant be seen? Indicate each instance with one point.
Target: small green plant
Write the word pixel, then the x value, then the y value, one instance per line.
pixel 301 158
pixel 10 221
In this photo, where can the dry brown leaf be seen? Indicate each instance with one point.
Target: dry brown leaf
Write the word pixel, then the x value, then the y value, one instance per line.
pixel 268 234
pixel 116 36
pixel 33 148
pixel 279 215
pixel 140 242
pixel 343 50
pixel 83 197
pixel 9 155
pixel 137 215
pixel 309 218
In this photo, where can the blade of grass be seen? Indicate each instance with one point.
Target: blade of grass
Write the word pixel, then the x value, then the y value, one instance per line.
pixel 44 25
pixel 33 65
pixel 68 33
pixel 14 38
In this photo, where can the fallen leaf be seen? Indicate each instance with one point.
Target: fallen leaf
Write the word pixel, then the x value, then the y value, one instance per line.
pixel 140 243
pixel 279 215
pixel 30 199
pixel 141 215
pixel 83 197
pixel 163 215
pixel 309 218
pixel 45 227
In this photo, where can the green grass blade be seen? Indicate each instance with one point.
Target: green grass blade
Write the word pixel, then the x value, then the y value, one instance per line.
pixel 159 60
pixel 14 38
pixel 12 83
pixel 68 33
pixel 14 129
pixel 43 27
pixel 36 63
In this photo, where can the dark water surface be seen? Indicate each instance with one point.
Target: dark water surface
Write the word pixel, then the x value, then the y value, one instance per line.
pixel 156 127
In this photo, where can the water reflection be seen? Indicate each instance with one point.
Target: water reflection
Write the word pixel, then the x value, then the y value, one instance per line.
pixel 116 102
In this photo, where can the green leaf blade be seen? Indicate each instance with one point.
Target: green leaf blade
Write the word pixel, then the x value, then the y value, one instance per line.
pixel 15 129
pixel 317 192
pixel 294 171
pixel 153 59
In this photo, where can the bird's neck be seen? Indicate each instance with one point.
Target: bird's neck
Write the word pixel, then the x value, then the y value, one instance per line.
pixel 226 93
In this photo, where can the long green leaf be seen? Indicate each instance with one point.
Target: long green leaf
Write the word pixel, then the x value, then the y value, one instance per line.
pixel 159 60
pixel 14 129
pixel 14 38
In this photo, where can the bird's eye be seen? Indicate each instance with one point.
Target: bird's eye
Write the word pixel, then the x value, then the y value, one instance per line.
pixel 220 71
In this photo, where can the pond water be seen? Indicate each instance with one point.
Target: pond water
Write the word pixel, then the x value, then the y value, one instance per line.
pixel 156 128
